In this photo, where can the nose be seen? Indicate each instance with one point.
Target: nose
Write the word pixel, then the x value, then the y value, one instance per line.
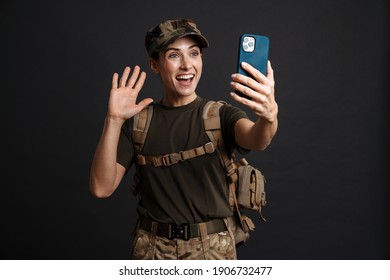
pixel 185 64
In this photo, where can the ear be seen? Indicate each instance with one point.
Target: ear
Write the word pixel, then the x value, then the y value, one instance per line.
pixel 153 65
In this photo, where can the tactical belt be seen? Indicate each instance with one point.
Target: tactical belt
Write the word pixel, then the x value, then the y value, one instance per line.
pixel 183 231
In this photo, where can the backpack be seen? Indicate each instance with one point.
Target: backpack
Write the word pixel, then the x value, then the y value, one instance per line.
pixel 246 183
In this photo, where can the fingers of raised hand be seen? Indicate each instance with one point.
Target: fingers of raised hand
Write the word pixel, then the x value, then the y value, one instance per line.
pixel 125 75
pixel 115 80
pixel 138 83
pixel 136 79
pixel 134 76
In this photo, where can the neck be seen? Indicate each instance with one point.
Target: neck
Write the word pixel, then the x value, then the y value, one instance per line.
pixel 178 101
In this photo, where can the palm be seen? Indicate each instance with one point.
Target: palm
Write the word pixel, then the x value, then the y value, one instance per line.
pixel 123 95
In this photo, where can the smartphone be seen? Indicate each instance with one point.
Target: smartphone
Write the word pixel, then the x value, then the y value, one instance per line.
pixel 253 49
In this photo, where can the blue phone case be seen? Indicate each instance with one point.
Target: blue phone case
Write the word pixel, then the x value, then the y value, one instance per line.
pixel 253 49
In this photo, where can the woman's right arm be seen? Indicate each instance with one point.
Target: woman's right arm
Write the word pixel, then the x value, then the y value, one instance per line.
pixel 106 173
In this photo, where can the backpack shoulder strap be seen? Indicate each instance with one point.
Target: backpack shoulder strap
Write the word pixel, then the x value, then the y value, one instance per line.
pixel 212 126
pixel 212 121
pixel 141 123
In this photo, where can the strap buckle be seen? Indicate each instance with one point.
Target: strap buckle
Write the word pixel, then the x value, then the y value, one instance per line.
pixel 179 231
pixel 171 159
pixel 209 148
pixel 166 160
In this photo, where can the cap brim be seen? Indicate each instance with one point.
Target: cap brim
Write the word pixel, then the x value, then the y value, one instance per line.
pixel 202 40
pixel 203 43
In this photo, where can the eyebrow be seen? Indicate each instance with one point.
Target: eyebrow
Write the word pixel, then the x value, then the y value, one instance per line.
pixel 177 49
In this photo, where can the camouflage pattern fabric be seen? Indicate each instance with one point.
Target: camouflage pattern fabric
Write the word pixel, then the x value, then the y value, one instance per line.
pixel 215 246
pixel 165 33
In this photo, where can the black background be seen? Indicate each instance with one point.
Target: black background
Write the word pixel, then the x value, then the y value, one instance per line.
pixel 326 168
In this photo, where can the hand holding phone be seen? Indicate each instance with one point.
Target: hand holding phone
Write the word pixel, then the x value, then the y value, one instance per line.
pixel 253 49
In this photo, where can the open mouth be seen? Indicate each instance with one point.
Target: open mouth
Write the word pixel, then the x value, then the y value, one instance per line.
pixel 185 78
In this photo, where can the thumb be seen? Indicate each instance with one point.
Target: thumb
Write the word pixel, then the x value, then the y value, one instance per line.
pixel 145 102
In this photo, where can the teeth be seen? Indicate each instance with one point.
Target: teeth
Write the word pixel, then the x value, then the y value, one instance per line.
pixel 185 77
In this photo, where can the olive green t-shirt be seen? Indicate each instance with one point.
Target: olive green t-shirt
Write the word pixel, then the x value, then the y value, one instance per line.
pixel 192 191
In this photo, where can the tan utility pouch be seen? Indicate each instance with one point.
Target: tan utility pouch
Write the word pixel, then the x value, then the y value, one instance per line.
pixel 240 235
pixel 250 190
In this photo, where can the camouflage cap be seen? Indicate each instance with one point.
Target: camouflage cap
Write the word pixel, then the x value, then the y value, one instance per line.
pixel 165 33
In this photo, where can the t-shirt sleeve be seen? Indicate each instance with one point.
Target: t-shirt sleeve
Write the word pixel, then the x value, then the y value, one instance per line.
pixel 229 116
pixel 125 150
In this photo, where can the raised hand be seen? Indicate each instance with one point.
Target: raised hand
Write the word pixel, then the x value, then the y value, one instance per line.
pixel 122 104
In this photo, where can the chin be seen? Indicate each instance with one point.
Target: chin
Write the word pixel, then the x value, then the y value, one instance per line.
pixel 186 93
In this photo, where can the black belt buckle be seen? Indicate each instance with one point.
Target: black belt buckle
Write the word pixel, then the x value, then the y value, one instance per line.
pixel 179 231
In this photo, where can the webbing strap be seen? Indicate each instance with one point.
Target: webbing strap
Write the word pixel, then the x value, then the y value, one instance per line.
pixel 212 127
pixel 141 123
pixel 212 124
pixel 174 158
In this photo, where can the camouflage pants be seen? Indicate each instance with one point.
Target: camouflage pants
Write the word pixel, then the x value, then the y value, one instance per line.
pixel 215 246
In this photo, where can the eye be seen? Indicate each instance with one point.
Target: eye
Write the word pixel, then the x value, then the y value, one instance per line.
pixel 173 55
pixel 194 53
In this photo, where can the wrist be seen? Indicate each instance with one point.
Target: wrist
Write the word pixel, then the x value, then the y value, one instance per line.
pixel 272 115
pixel 114 120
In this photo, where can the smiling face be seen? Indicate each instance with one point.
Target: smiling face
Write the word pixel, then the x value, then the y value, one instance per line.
pixel 180 68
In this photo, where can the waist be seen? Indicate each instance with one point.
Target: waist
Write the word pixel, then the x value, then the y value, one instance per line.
pixel 183 231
